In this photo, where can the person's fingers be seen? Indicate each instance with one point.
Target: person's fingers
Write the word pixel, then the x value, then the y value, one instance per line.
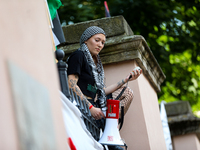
pixel 97 113
pixel 135 73
pixel 131 74
pixel 138 72
pixel 95 117
pixel 102 115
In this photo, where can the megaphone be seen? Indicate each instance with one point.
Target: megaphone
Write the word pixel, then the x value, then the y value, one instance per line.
pixel 111 134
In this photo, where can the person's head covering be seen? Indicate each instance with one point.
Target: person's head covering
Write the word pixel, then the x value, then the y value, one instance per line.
pixel 89 32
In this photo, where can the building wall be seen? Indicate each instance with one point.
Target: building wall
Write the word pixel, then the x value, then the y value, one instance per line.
pixel 186 142
pixel 26 44
pixel 142 129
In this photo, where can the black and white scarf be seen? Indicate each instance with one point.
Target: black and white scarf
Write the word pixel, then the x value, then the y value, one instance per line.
pixel 97 70
pixel 98 74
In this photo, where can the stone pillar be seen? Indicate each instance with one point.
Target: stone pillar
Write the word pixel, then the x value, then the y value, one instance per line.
pixel 186 142
pixel 123 51
pixel 184 126
pixel 30 106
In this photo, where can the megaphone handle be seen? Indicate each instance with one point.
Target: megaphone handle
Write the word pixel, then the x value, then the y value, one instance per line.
pixel 122 117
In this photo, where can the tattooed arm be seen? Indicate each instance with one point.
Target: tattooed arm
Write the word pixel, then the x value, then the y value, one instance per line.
pixel 114 87
pixel 72 81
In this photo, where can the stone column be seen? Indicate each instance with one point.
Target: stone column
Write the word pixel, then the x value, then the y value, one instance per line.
pixel 186 142
pixel 142 129
pixel 184 126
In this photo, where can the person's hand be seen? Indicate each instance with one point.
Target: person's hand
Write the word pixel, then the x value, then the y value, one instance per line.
pixel 96 113
pixel 134 75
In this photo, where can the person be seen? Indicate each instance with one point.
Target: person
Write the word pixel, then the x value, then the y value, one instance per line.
pixel 86 75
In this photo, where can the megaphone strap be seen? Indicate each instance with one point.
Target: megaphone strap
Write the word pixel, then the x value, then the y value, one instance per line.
pixel 120 94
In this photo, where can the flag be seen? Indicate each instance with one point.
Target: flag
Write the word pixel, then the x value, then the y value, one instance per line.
pixel 107 13
pixel 53 6
pixel 56 41
pixel 71 144
pixel 57 31
pixel 75 127
pixel 165 126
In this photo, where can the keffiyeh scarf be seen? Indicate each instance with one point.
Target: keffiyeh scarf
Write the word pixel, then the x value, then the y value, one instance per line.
pixel 97 70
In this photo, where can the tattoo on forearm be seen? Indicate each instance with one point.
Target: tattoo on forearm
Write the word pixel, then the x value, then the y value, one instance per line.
pixel 120 83
pixel 78 91
pixel 86 101
pixel 123 81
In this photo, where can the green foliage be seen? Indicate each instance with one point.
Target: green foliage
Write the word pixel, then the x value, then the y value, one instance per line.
pixel 185 80
pixel 170 27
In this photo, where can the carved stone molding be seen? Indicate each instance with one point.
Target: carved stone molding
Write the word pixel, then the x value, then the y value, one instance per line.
pixel 134 48
pixel 181 120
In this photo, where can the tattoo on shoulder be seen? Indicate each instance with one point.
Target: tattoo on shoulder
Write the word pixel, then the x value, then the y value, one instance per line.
pixel 76 76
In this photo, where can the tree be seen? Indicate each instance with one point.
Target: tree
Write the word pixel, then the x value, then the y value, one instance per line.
pixel 170 27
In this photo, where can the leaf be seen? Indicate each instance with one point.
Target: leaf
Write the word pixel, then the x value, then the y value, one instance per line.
pixel 194 81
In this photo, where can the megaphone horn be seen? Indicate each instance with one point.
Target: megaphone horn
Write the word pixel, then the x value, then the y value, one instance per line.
pixel 111 134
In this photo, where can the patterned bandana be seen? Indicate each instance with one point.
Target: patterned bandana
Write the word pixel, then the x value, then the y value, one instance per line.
pixel 89 32
pixel 97 70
